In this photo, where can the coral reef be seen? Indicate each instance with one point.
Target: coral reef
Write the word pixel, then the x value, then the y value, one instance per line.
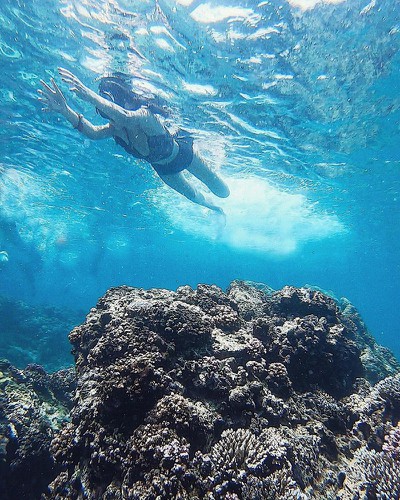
pixel 33 406
pixel 243 394
pixel 205 394
pixel 373 475
pixel 378 361
pixel 392 443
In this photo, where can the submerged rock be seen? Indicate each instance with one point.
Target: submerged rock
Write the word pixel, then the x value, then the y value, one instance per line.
pixel 204 394
pixel 243 394
pixel 33 406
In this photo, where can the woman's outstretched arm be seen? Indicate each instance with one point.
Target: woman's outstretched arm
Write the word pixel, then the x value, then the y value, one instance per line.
pixel 149 122
pixel 54 100
pixel 112 110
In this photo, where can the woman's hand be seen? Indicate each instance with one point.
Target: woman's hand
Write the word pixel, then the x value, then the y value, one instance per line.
pixel 52 98
pixel 75 84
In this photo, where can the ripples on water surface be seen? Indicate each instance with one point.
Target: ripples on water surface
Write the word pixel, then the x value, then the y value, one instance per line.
pixel 297 105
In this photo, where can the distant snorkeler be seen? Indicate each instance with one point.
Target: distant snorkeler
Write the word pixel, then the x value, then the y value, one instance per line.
pixel 136 124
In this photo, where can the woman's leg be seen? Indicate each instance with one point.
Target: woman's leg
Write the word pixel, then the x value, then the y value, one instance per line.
pixel 203 172
pixel 181 185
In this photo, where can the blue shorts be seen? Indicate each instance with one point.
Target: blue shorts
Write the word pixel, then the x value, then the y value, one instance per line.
pixel 181 161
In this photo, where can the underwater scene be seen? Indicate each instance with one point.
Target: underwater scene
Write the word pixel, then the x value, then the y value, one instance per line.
pixel 199 249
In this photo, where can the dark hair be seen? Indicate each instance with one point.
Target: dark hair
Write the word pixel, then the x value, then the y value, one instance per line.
pixel 115 88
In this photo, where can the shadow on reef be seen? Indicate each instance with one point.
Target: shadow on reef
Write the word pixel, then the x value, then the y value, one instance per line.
pixel 248 394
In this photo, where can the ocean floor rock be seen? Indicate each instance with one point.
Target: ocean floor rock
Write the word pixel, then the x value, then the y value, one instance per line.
pixel 248 394
pixel 33 406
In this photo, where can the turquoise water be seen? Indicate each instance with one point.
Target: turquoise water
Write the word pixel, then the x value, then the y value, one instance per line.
pixel 298 108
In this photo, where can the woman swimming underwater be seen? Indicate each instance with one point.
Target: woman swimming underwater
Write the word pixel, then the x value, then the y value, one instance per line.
pixel 136 124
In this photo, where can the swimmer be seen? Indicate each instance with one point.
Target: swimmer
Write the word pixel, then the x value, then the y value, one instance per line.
pixel 136 124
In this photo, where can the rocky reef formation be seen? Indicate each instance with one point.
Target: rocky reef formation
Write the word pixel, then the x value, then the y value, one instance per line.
pixel 243 394
pixel 33 407
pixel 206 394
